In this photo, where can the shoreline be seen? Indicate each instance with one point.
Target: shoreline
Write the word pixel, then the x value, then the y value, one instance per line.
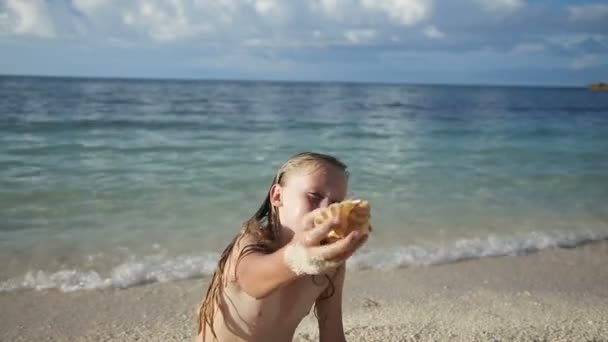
pixel 558 294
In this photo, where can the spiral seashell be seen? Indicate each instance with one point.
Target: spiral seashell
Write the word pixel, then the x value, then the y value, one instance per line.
pixel 353 215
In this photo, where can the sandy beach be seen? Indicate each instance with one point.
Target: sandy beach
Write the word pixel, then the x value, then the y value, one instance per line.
pixel 552 295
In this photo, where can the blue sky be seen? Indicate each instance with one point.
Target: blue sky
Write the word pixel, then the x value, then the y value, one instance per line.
pixel 414 41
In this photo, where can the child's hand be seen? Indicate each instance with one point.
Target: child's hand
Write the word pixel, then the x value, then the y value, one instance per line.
pixel 306 255
pixel 310 235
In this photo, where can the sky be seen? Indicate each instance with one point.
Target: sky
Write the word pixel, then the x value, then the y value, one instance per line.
pixel 515 42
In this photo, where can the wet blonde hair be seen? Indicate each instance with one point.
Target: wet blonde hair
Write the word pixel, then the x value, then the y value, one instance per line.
pixel 264 228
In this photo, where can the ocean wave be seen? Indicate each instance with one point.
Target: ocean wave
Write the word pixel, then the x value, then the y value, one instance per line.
pixel 162 268
pixel 464 249
pixel 149 269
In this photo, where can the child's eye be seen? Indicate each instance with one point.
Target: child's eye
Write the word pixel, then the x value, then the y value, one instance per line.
pixel 315 195
pixel 315 198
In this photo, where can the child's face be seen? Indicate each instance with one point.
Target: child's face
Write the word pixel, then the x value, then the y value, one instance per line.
pixel 308 190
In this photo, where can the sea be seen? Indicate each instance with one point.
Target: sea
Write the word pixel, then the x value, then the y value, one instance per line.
pixel 114 183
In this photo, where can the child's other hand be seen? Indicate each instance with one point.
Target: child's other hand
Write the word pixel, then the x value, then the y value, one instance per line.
pixel 342 249
pixel 311 237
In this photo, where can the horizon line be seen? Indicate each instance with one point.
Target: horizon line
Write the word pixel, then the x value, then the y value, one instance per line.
pixel 270 80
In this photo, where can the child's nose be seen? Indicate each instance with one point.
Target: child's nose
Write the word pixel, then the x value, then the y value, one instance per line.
pixel 324 203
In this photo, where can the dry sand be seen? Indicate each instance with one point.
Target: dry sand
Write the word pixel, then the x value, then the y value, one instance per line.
pixel 553 295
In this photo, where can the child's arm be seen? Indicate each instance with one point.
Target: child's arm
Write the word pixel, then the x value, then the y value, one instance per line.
pixel 260 274
pixel 329 311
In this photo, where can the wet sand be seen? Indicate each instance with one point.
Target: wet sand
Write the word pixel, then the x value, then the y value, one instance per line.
pixel 552 295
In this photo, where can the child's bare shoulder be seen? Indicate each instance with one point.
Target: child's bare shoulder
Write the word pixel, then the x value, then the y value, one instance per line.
pixel 242 244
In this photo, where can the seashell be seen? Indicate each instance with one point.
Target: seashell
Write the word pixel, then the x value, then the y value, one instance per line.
pixel 353 215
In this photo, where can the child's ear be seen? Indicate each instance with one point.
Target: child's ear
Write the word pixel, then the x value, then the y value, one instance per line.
pixel 276 194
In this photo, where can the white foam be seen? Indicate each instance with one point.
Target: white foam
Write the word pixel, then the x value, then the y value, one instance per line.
pixel 150 269
pixel 469 249
pixel 162 268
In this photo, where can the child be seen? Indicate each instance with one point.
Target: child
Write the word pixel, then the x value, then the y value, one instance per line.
pixel 277 267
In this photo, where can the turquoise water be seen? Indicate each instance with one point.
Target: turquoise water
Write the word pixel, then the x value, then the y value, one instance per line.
pixel 120 182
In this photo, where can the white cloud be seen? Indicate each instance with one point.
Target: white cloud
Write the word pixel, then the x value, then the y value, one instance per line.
pixel 501 6
pixel 329 7
pixel 523 48
pixel 272 12
pixel 360 35
pixel 339 10
pixel 404 12
pixel 314 23
pixel 247 62
pixel 89 7
pixel 163 21
pixel 583 62
pixel 27 17
pixel 433 32
pixel 573 42
pixel 266 6
pixel 588 12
